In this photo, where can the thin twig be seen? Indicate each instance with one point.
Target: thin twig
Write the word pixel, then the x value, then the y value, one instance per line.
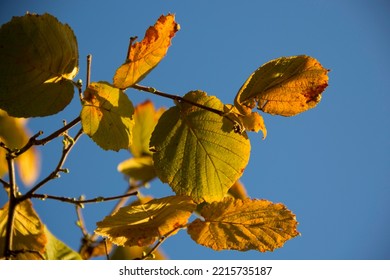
pixel 178 99
pixel 80 202
pixel 160 242
pixel 236 126
pixel 55 173
pixel 34 141
pixel 80 221
pixel 89 61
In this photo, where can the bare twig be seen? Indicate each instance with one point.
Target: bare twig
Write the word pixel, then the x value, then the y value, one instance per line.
pixel 34 141
pixel 80 202
pixel 59 168
pixel 89 61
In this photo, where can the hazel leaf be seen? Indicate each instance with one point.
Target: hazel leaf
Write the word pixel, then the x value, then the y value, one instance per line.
pixel 39 59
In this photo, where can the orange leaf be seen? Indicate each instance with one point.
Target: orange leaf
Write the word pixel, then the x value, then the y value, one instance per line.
pixel 145 55
pixel 285 86
pixel 243 225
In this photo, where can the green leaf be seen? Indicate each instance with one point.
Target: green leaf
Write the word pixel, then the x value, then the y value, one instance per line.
pixel 57 250
pixel 143 224
pixel 196 151
pixel 138 168
pixel 285 86
pixel 39 57
pixel 243 225
pixel 107 116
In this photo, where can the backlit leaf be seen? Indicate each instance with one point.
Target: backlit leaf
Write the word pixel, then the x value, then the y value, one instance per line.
pixel 143 224
pixel 29 236
pixel 244 225
pixel 285 86
pixel 14 133
pixel 39 57
pixel 145 55
pixel 107 116
pixel 135 252
pixel 196 151
pixel 138 168
pixel 57 250
pixel 238 191
pixel 145 118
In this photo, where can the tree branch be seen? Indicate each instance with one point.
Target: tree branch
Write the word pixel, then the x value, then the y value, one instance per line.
pixel 34 141
pixel 80 202
pixel 11 207
pixel 55 174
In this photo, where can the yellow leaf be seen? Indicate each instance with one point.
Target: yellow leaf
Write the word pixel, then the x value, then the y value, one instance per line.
pixel 107 116
pixel 143 224
pixel 29 233
pixel 145 118
pixel 145 55
pixel 244 225
pixel 285 86
pixel 15 135
pixel 138 168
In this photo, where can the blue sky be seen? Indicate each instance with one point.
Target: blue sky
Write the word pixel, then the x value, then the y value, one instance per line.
pixel 330 165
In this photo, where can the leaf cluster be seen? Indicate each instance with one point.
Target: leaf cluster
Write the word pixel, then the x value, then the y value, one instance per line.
pixel 199 146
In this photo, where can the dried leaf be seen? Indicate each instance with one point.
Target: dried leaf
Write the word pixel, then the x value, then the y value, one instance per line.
pixel 107 116
pixel 243 225
pixel 147 54
pixel 143 224
pixel 285 86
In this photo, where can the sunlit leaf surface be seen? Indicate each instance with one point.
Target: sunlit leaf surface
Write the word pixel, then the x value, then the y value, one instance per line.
pixel 147 54
pixel 143 224
pixel 107 116
pixel 285 86
pixel 244 225
pixel 197 151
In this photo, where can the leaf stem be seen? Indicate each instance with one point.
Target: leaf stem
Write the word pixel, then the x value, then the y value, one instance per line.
pixel 183 100
pixel 178 99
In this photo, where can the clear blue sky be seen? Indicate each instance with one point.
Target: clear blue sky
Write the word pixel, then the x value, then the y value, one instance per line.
pixel 330 165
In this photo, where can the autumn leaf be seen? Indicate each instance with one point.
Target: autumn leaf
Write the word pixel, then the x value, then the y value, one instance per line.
pixel 244 225
pixel 138 168
pixel 145 118
pixel 14 133
pixel 107 116
pixel 143 224
pixel 197 152
pixel 144 56
pixel 39 59
pixel 29 233
pixel 285 86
